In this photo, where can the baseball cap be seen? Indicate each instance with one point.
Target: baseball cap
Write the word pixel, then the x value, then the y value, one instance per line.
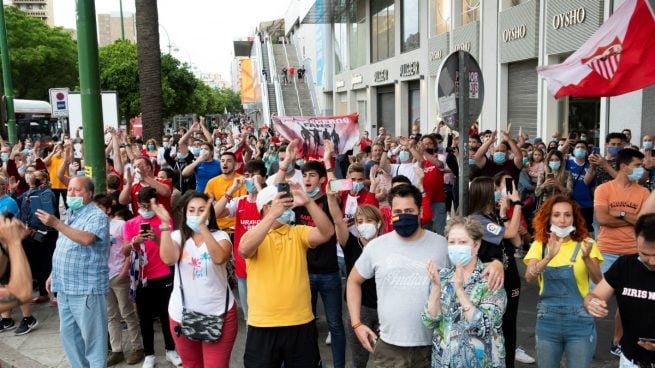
pixel 266 196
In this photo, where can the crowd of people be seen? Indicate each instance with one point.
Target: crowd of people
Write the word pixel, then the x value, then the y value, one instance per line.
pixel 205 223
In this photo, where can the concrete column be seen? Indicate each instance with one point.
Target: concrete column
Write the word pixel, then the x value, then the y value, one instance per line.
pixel 402 109
pixel 372 96
pixel 488 60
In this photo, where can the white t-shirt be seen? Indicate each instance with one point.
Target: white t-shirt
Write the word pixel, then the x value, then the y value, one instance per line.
pixel 297 178
pixel 116 255
pixel 204 281
pixel 406 169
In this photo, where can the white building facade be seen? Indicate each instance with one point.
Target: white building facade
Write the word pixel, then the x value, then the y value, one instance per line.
pixel 380 58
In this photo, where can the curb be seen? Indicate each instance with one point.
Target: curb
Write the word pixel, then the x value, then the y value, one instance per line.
pixel 10 358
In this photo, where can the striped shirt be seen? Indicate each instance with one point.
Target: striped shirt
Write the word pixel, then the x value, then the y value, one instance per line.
pixel 83 269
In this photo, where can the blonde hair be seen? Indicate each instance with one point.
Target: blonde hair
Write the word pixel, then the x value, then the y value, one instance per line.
pixel 369 212
pixel 472 226
pixel 356 167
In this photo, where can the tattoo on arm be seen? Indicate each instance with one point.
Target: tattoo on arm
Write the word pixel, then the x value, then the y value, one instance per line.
pixel 9 298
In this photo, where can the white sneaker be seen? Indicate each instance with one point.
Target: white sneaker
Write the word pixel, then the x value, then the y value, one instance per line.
pixel 523 357
pixel 173 358
pixel 149 361
pixel 328 341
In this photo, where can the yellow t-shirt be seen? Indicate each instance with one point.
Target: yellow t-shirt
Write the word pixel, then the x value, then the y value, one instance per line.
pixel 53 167
pixel 278 280
pixel 563 258
pixel 217 186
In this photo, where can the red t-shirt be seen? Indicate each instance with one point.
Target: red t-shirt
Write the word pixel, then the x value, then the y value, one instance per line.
pixel 433 182
pixel 363 143
pixel 166 201
pixel 247 217
pixel 155 267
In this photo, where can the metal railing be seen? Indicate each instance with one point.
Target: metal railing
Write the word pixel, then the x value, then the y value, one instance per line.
pixel 275 78
pixel 264 85
pixel 295 86
pixel 308 77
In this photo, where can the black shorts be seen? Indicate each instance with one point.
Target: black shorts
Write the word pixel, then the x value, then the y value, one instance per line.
pixel 295 346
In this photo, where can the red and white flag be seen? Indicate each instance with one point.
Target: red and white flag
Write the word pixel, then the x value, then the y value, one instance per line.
pixel 618 58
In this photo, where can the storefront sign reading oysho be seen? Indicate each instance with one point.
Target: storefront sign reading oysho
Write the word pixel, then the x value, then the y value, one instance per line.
pixel 356 79
pixel 381 75
pixel 464 46
pixel 436 55
pixel 340 84
pixel 515 33
pixel 409 69
pixel 569 18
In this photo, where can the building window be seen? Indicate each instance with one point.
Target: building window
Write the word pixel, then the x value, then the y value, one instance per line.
pixel 442 16
pixel 382 29
pixel 358 37
pixel 411 36
pixel 470 11
pixel 341 46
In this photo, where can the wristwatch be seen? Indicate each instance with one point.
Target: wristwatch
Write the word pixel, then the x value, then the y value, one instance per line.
pixel 621 215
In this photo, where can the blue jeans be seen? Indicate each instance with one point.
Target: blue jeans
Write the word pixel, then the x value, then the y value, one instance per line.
pixel 328 285
pixel 243 296
pixel 608 261
pixel 83 329
pixel 438 223
pixel 568 330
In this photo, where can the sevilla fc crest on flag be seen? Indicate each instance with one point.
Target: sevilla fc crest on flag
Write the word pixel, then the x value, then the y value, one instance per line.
pixel 617 59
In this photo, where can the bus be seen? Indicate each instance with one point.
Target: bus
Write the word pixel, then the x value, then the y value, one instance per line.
pixel 33 119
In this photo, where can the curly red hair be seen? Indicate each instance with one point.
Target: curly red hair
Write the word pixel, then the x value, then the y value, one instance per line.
pixel 541 220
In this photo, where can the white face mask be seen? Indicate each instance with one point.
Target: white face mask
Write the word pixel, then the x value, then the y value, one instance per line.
pixel 562 232
pixel 367 231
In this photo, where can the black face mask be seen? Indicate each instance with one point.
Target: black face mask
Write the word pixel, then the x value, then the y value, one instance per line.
pixel 37 183
pixel 430 150
pixel 405 224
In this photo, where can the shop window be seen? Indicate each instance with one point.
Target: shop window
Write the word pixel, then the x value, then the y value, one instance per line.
pixel 470 11
pixel 341 47
pixel 442 16
pixel 382 29
pixel 410 26
pixel 358 39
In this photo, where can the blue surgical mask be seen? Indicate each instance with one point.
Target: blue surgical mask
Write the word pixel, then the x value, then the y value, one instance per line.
pixel 403 156
pixel 180 156
pixel 459 254
pixel 291 168
pixel 497 197
pixel 166 145
pixel 286 217
pixel 471 161
pixel 300 162
pixel 358 186
pixel 146 214
pixel 4 156
pixel 195 151
pixel 648 145
pixel 193 223
pixel 554 165
pixel 250 185
pixel 579 153
pixel 204 152
pixel 74 203
pixel 613 150
pixel 525 161
pixel 314 192
pixel 151 147
pixel 636 174
pixel 500 157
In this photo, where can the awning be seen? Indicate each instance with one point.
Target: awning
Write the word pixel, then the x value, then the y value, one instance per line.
pixel 331 11
pixel 242 48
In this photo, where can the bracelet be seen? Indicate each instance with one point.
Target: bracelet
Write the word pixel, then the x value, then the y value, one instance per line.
pixel 227 196
pixel 164 228
pixel 356 325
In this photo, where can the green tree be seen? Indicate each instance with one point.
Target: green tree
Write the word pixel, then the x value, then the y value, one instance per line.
pixel 178 86
pixel 119 71
pixel 41 57
pixel 149 56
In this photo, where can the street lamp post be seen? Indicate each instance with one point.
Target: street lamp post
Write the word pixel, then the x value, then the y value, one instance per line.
pixel 168 38
pixel 6 77
pixel 120 3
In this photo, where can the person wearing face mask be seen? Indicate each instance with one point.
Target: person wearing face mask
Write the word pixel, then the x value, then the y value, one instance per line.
pixel 631 278
pixel 555 179
pixel 369 226
pixel 80 275
pixel 617 204
pixel 649 160
pixel 54 161
pixel 204 167
pixel 244 212
pixel 199 252
pixel 583 182
pixel 152 283
pixel 152 150
pixel 500 160
pixel 563 259
pixel 178 160
pixel 460 300
pixel 222 186
pixel 286 168
pixel 322 263
pixel 408 159
pixel 603 167
pixel 434 183
pixel 396 260
pixel 143 177
pixel 279 292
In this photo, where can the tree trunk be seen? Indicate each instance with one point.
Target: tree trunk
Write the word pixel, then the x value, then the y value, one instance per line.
pixel 150 91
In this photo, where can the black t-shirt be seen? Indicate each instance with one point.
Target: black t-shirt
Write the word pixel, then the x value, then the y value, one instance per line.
pixel 491 168
pixel 322 259
pixel 634 286
pixel 351 252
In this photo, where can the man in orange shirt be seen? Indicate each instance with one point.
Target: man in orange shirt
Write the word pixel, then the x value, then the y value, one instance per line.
pixel 617 204
pixel 222 185
pixel 53 161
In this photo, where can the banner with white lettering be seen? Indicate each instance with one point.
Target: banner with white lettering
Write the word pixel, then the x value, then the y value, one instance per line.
pixel 312 131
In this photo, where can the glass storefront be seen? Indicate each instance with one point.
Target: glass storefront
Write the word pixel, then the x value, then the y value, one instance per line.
pixel 358 36
pixel 584 116
pixel 414 103
pixel 441 16
pixel 410 26
pixel 382 29
pixel 340 47
pixel 386 109
pixel 470 11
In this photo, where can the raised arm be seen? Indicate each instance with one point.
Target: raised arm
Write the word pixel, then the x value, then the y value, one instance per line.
pixel 19 288
pixel 340 227
pixel 324 227
pixel 254 237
